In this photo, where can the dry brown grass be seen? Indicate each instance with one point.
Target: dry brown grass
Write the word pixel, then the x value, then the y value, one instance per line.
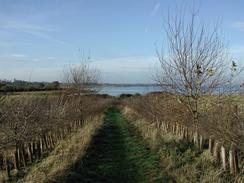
pixel 180 159
pixel 64 155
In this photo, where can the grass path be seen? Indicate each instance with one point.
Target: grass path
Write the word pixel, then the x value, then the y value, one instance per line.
pixel 117 155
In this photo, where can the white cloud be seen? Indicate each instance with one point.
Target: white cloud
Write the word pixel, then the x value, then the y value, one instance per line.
pixel 24 26
pixel 33 74
pixel 116 70
pixel 51 58
pixel 17 55
pixel 40 31
pixel 12 55
pixel 239 25
pixel 130 63
pixel 127 70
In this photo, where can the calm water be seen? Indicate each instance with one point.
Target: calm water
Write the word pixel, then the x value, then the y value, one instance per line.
pixel 118 90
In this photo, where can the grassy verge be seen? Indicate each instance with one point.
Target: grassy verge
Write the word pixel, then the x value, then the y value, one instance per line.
pixel 64 155
pixel 186 164
pixel 180 159
pixel 116 154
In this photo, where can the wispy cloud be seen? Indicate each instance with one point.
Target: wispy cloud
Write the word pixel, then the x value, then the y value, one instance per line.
pixel 153 13
pixel 24 26
pixel 155 9
pixel 16 58
pixel 33 74
pixel 51 58
pixel 134 63
pixel 13 56
pixel 238 25
pixel 20 26
pixel 134 69
pixel 17 55
pixel 32 29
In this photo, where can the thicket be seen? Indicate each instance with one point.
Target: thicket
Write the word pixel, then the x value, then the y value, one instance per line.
pixel 31 126
pixel 56 167
pixel 201 102
pixel 220 130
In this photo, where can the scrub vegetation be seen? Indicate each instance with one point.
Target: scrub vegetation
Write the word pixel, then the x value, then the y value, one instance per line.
pixel 215 155
pixel 32 126
pixel 191 131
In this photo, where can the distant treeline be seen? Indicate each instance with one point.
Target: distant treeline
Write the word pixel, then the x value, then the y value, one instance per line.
pixel 20 86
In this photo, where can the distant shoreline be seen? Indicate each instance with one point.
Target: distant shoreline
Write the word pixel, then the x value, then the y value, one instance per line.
pixel 126 84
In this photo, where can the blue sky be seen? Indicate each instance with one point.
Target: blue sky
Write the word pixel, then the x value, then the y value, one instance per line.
pixel 39 37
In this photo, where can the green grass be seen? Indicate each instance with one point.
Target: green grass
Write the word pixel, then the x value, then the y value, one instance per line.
pixel 179 158
pixel 117 154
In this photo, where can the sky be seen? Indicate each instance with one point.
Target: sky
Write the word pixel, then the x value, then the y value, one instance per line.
pixel 38 38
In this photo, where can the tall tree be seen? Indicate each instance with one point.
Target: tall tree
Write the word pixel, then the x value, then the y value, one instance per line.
pixel 195 62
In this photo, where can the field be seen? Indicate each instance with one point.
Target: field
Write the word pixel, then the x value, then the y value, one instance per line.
pixel 98 138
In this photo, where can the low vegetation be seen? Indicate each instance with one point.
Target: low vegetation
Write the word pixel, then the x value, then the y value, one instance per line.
pixel 67 152
pixel 32 126
pixel 192 131
pixel 24 86
pixel 215 155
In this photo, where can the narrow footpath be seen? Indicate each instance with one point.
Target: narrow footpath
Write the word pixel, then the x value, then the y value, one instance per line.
pixel 117 155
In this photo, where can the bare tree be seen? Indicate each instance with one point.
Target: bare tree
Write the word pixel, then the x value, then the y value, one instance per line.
pixel 83 77
pixel 198 70
pixel 195 62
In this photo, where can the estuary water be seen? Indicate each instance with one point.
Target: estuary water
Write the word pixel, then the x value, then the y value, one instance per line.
pixel 118 90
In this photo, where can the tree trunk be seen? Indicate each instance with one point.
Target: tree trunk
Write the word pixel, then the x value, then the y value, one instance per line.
pixel 38 149
pixel 195 139
pixel 1 161
pixel 30 152
pixel 49 146
pixel 50 141
pixel 216 153
pixel 45 141
pixel 201 142
pixel 211 145
pixel 187 134
pixel 223 157
pixel 233 160
pixel 22 154
pixel 34 149
pixel 16 157
pixel 42 145
pixel 16 160
pixel 6 165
